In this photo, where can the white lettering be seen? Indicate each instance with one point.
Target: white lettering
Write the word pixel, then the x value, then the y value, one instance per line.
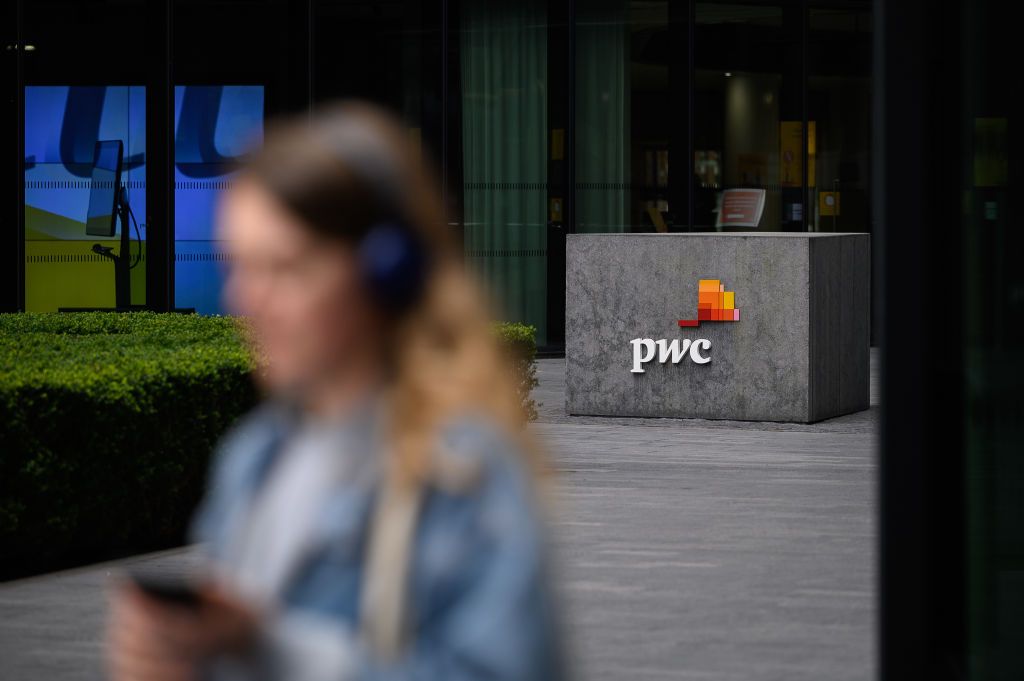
pixel 664 347
pixel 648 344
pixel 695 350
pixel 644 350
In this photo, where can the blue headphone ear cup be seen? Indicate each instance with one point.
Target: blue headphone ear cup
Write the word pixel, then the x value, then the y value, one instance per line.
pixel 394 264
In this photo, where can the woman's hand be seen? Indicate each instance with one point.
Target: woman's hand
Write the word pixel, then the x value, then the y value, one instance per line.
pixel 152 640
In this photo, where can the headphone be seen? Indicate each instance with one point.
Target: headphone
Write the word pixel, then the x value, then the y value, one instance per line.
pixel 393 258
pixel 394 264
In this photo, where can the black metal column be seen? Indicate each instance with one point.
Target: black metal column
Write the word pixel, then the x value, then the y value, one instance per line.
pixel 160 157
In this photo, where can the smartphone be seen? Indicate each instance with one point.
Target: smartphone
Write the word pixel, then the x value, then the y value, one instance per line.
pixel 168 589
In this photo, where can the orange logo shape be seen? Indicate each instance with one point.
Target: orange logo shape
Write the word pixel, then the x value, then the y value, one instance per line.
pixel 714 304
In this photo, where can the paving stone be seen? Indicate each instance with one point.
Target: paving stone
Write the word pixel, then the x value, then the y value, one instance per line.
pixel 685 549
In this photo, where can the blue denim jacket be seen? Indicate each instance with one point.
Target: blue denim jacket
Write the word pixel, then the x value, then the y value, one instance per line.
pixel 481 605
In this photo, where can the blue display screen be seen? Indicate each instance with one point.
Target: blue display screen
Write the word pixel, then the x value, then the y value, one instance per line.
pixel 106 175
pixel 62 126
pixel 214 125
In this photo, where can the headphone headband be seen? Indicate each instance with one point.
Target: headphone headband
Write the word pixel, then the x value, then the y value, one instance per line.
pixel 357 147
pixel 393 258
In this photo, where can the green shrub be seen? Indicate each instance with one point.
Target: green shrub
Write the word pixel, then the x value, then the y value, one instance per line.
pixel 108 420
pixel 520 340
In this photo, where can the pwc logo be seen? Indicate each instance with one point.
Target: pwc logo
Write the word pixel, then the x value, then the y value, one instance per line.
pixel 714 304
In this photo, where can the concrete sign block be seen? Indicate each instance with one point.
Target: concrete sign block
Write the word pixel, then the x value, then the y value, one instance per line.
pixel 765 326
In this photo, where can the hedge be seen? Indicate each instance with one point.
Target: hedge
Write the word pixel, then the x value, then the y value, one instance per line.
pixel 521 341
pixel 107 422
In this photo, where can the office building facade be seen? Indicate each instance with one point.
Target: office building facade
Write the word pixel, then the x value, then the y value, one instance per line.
pixel 546 117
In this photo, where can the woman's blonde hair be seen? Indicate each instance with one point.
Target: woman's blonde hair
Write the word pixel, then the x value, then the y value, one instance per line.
pixel 340 170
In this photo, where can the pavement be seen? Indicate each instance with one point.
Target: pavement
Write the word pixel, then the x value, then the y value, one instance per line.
pixel 685 549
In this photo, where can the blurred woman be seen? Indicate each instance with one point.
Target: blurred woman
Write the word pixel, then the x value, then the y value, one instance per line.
pixel 374 516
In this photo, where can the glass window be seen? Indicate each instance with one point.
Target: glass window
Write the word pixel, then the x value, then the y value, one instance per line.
pixel 603 107
pixel 989 117
pixel 226 82
pixel 63 268
pixel 632 115
pixel 503 107
pixel 839 104
pixel 214 125
pixel 748 112
pixel 388 52
pixel 67 110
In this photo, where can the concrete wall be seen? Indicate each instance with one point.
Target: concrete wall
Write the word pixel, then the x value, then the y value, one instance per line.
pixel 799 351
